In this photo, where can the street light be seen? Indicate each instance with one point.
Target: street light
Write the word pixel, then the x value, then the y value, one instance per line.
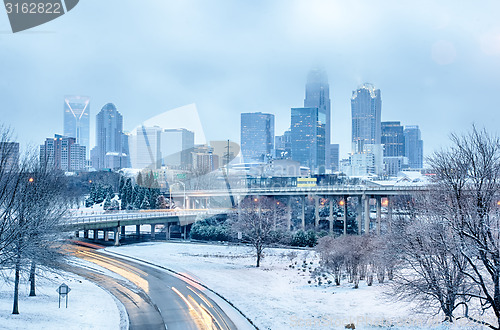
pixel 183 186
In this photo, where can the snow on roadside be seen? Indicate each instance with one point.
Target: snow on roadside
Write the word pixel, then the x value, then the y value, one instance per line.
pixel 89 306
pixel 277 296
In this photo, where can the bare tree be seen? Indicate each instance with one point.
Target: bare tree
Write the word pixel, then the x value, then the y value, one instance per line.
pixel 33 204
pixel 468 175
pixel 332 252
pixel 431 264
pixel 261 221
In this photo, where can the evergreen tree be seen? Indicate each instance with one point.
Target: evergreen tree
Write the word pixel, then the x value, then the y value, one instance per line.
pixel 121 188
pixel 107 204
pixel 145 203
pixel 128 198
pixel 140 179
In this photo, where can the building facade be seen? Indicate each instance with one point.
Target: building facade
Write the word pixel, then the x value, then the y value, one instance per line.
pixel 63 153
pixel 9 156
pixel 308 134
pixel 257 136
pixel 77 119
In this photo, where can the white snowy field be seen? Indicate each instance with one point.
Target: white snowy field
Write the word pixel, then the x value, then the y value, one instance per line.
pixel 89 306
pixel 277 296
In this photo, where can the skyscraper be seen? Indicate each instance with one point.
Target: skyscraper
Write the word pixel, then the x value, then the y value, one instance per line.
pixel 77 119
pixel 257 136
pixel 318 95
pixel 366 107
pixel 414 146
pixel 393 139
pixel 144 143
pixel 334 154
pixel 308 130
pixel 366 156
pixel 109 139
pixel 176 146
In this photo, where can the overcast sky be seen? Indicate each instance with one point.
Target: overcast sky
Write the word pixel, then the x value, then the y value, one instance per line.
pixel 437 63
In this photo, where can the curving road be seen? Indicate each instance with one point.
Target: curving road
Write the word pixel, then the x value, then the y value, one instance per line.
pixel 154 299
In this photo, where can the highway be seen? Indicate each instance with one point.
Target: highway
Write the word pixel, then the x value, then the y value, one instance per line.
pixel 154 298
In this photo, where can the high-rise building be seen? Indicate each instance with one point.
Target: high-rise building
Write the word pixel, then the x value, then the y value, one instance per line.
pixel 176 147
pixel 257 136
pixel 126 149
pixel 414 146
pixel 318 95
pixel 334 157
pixel 144 144
pixel 366 155
pixel 9 156
pixel 109 140
pixel 77 119
pixel 308 130
pixel 393 139
pixel 366 105
pixel 63 153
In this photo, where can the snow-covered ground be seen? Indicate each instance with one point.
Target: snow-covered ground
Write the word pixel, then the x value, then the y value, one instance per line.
pixel 89 306
pixel 277 295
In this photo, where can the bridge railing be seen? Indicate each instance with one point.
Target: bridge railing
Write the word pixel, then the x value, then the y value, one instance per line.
pixel 277 189
pixel 130 216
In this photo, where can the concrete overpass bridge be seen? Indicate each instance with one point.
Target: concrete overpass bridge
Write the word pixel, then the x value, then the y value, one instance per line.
pixel 115 223
pixel 200 204
pixel 363 196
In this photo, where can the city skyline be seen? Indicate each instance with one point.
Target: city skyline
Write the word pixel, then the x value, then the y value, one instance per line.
pixel 443 59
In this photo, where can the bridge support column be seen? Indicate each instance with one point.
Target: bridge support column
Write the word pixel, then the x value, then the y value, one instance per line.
pixel 289 213
pixel 316 212
pixel 359 214
pixel 138 231
pixel 116 232
pixel 96 234
pixel 106 233
pixel 303 215
pixel 153 228
pixel 167 231
pixel 344 216
pixel 123 231
pixel 77 234
pixel 85 233
pixel 367 214
pixel 379 213
pixel 330 216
